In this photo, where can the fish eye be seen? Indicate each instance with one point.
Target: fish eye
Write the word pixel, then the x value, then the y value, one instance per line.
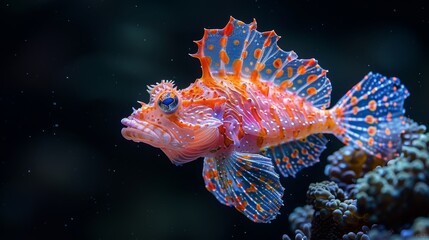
pixel 168 102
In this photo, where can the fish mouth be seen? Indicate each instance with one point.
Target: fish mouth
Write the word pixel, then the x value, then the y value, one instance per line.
pixel 146 132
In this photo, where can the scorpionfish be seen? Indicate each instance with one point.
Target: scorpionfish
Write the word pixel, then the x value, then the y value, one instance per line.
pixel 258 112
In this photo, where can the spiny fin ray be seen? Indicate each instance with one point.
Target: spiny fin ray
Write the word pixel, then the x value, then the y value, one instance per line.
pixel 239 50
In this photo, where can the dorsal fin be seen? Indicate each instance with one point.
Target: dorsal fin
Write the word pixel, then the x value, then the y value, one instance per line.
pixel 240 50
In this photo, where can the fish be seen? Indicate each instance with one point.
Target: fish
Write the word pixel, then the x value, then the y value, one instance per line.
pixel 258 112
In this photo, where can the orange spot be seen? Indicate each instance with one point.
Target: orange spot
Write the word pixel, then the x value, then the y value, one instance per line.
pixel 372 105
pixel 301 70
pixel 277 63
pixel 268 71
pixel 240 205
pixel 239 23
pixel 311 78
pixel 211 186
pixel 259 66
pixel 300 161
pixel 294 153
pixel 369 119
pixel 311 62
pixel 370 141
pixel 311 91
pixel 387 131
pixel 346 140
pixel 385 98
pixel 354 100
pixel 355 110
pixel 236 42
pixel 285 159
pixel 213 31
pixel 257 53
pixel 227 31
pixel 279 73
pixel 252 188
pixel 389 117
pixel 223 56
pixel 374 90
pixel 359 143
pixel 258 207
pixel 210 47
pixel 244 54
pixel 304 151
pixel 237 67
pixel 389 144
pixel 372 130
pixel 222 42
pixel 288 166
pixel 289 72
pixel 285 84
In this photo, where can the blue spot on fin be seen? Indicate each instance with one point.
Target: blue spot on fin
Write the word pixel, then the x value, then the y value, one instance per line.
pixel 293 156
pixel 246 181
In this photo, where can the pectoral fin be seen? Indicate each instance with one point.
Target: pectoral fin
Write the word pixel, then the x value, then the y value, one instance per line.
pixel 246 181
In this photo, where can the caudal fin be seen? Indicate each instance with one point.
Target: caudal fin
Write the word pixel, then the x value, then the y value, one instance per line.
pixel 370 115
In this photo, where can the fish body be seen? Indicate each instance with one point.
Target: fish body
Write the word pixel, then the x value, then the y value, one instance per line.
pixel 258 111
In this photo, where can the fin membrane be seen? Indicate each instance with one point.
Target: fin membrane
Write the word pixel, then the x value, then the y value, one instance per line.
pixel 246 181
pixel 240 50
pixel 370 115
pixel 293 156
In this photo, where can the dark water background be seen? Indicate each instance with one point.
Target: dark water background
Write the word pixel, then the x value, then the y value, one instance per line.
pixel 70 70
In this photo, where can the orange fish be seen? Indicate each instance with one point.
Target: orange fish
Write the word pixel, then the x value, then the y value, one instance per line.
pixel 258 108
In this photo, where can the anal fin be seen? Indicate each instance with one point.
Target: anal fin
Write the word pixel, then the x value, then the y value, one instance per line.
pixel 246 181
pixel 293 156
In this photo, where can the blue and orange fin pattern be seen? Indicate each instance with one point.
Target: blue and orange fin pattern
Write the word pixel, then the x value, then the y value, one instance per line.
pixel 370 115
pixel 240 50
pixel 293 156
pixel 246 181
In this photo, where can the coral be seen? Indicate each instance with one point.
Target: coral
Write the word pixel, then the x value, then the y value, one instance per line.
pixel 333 211
pixel 301 218
pixel 361 235
pixel 396 194
pixel 333 214
pixel 365 190
pixel 421 227
pixel 347 165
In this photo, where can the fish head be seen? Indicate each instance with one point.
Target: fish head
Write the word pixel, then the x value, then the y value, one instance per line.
pixel 171 121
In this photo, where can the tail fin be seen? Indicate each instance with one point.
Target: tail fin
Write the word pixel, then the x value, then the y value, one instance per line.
pixel 370 115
